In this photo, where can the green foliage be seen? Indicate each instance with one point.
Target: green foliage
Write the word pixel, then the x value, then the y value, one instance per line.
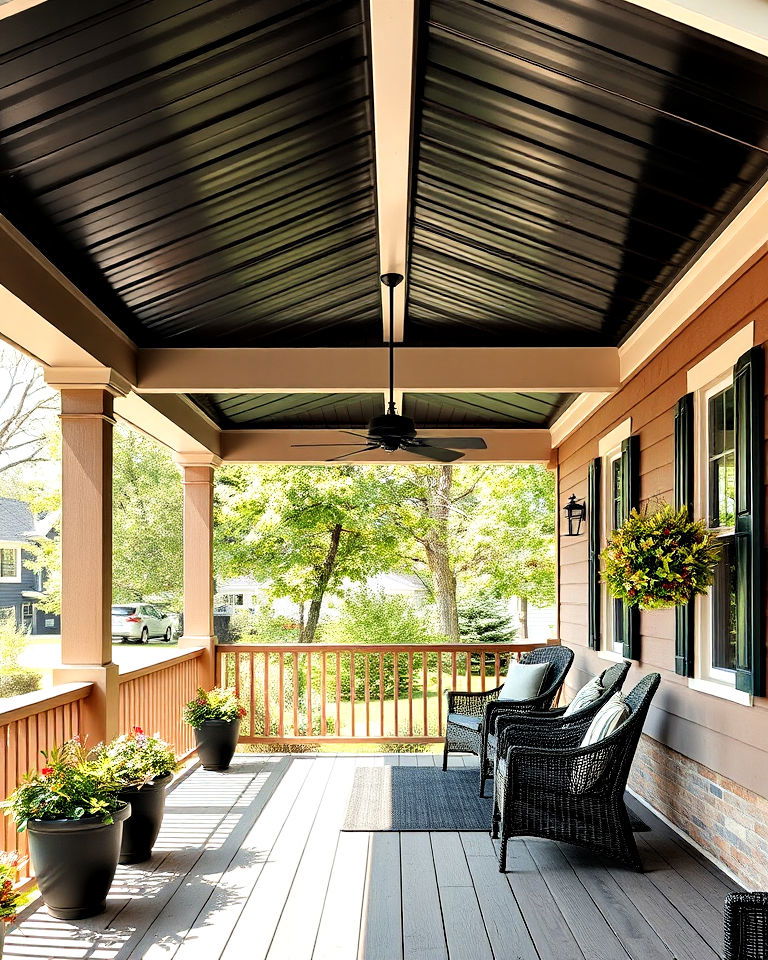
pixel 484 619
pixel 661 559
pixel 11 898
pixel 71 786
pixel 136 758
pixel 19 680
pixel 262 625
pixel 216 704
pixel 13 640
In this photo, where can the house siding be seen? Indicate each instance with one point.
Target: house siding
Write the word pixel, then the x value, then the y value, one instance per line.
pixel 710 733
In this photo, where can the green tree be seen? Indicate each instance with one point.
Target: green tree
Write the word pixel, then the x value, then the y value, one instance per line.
pixel 484 619
pixel 304 529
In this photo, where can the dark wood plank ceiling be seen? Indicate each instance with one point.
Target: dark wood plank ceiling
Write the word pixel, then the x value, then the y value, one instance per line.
pixel 316 411
pixel 571 157
pixel 204 171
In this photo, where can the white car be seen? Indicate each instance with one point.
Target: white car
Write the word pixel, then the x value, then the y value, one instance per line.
pixel 140 622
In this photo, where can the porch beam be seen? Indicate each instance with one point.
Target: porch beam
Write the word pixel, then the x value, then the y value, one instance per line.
pixel 393 60
pixel 364 370
pixel 276 446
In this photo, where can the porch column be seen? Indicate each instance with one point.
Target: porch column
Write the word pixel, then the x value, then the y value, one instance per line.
pixel 197 477
pixel 86 555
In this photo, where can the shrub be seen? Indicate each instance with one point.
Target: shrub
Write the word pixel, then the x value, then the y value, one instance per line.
pixel 13 641
pixel 11 898
pixel 261 625
pixel 136 758
pixel 69 787
pixel 19 680
pixel 216 704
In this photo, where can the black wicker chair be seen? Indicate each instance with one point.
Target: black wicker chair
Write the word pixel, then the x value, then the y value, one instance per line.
pixel 745 926
pixel 547 785
pixel 612 680
pixel 470 713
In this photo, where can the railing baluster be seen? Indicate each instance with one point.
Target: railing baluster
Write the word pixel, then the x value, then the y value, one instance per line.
pixel 482 672
pixel 468 657
pixel 382 695
pixel 497 670
pixel 295 694
pixel 281 695
pixel 338 693
pixel 310 727
pixel 252 684
pixel 352 683
pixel 440 694
pixel 453 669
pixel 367 696
pixel 396 671
pixel 410 693
pixel 267 722
pixel 323 695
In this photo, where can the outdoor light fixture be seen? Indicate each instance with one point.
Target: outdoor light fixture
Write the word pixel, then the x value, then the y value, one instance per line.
pixel 575 512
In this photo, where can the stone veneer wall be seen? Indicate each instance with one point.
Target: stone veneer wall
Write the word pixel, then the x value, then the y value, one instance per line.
pixel 725 819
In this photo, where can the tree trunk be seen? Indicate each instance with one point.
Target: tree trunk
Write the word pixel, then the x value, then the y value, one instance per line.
pixel 301 622
pixel 324 574
pixel 436 545
pixel 524 617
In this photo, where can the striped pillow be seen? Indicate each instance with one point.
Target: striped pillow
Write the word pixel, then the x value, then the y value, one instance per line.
pixel 587 770
pixel 591 691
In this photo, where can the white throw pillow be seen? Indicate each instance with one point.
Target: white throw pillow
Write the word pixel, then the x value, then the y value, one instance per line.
pixel 587 770
pixel 591 691
pixel 524 680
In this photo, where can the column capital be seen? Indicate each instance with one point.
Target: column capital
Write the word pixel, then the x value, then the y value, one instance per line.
pixel 87 378
pixel 197 458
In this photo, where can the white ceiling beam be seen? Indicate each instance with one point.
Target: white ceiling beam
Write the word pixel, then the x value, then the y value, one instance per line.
pixel 392 64
pixel 276 446
pixel 365 370
pixel 743 22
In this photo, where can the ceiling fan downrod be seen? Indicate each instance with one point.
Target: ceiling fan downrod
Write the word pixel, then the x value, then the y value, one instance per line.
pixel 391 280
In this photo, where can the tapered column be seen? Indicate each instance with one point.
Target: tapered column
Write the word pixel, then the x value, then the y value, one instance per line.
pixel 86 555
pixel 197 478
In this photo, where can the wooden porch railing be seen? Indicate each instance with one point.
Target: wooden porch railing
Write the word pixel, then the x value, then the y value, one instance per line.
pixel 382 693
pixel 28 724
pixel 152 697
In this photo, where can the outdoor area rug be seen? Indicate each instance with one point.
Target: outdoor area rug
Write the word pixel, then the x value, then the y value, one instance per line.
pixel 422 798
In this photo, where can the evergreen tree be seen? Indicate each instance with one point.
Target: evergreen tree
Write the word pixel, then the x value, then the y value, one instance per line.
pixel 484 619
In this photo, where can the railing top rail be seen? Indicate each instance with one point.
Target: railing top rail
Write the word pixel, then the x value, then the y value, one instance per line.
pixel 514 646
pixel 29 704
pixel 170 660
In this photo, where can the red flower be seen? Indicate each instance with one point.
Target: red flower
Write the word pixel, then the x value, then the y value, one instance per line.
pixel 138 730
pixel 241 711
pixel 47 771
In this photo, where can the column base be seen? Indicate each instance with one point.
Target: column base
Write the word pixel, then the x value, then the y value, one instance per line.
pixel 99 713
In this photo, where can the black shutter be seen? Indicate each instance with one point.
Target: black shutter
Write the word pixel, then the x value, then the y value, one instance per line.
pixel 684 498
pixel 593 575
pixel 748 379
pixel 630 497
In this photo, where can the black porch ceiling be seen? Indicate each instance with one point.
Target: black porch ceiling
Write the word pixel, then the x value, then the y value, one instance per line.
pixel 334 410
pixel 204 171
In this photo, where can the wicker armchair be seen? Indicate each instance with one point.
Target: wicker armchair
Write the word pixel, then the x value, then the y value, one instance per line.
pixel 745 926
pixel 468 713
pixel 612 680
pixel 547 785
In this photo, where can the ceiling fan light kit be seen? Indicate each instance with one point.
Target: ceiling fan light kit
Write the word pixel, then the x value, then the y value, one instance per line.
pixel 391 431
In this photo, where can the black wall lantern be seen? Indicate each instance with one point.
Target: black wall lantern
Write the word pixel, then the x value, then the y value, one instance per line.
pixel 575 512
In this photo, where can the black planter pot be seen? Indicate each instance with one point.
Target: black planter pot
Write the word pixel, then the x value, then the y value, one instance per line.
pixel 75 862
pixel 216 743
pixel 140 830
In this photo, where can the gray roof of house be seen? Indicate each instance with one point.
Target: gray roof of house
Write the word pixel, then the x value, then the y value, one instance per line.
pixel 16 520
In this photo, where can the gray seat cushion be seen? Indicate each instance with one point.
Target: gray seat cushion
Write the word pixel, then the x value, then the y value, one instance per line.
pixel 462 720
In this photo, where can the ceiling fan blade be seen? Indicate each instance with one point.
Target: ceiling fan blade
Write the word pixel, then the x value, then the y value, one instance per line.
pixel 325 444
pixel 362 436
pixel 455 443
pixel 354 453
pixel 433 453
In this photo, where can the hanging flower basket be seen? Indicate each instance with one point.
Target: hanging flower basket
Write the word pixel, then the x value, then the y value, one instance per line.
pixel 659 560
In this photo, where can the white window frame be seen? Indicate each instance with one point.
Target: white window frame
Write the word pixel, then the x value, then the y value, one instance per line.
pixel 609 450
pixel 707 378
pixel 16 578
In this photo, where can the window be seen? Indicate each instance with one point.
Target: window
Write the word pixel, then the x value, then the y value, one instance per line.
pixel 9 563
pixel 715 499
pixel 233 599
pixel 26 611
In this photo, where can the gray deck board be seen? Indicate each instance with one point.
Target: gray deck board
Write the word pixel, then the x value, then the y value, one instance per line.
pixel 252 863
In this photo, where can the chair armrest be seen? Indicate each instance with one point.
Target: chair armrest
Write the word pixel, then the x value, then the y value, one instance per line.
pixel 745 928
pixel 556 770
pixel 526 731
pixel 471 704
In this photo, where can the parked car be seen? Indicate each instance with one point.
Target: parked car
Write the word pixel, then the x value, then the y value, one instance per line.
pixel 140 623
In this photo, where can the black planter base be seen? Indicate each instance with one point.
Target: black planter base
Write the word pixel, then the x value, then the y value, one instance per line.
pixel 140 830
pixel 216 743
pixel 77 913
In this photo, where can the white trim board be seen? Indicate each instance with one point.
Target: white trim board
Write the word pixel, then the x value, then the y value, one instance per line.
pixel 720 359
pixel 613 438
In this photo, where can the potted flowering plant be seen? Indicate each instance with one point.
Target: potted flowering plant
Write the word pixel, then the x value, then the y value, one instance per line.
pixel 215 717
pixel 144 766
pixel 74 817
pixel 10 896
pixel 660 559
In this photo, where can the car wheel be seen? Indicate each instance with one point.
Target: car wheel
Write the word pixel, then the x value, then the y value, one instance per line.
pixel 144 636
pixel 167 637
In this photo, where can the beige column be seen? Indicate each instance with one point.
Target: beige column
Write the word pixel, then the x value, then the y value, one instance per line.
pixel 197 478
pixel 86 562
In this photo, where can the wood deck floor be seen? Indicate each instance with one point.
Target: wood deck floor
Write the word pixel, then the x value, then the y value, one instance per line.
pixel 252 864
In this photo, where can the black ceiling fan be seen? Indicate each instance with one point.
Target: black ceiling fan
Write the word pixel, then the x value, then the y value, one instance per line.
pixel 392 431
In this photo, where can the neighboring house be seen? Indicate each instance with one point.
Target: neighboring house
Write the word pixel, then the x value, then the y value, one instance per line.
pixel 21 589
